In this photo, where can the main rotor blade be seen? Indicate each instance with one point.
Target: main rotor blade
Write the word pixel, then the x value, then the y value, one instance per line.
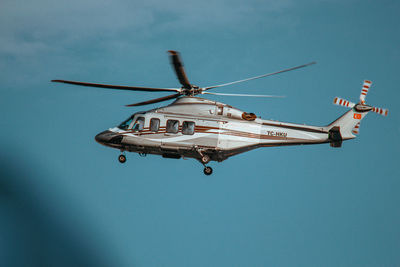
pixel 165 98
pixel 118 87
pixel 208 93
pixel 260 76
pixel 179 70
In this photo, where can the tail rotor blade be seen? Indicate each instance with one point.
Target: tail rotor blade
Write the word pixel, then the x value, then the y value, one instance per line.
pixel 356 129
pixel 381 111
pixel 343 102
pixel 179 70
pixel 364 91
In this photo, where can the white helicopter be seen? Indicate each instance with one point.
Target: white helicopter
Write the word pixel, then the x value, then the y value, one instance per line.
pixel 206 130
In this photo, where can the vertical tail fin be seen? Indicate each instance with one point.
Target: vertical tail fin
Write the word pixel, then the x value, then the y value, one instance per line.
pixel 348 122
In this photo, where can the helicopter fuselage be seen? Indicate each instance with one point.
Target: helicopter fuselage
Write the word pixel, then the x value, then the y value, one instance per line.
pixel 206 130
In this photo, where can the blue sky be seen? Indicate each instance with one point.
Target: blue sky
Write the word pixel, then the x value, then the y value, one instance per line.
pixel 67 201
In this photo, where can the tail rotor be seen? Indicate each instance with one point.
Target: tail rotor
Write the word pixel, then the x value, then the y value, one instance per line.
pixel 361 106
pixel 360 109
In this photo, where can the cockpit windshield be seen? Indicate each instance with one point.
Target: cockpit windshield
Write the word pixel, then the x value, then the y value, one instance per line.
pixel 125 124
pixel 138 124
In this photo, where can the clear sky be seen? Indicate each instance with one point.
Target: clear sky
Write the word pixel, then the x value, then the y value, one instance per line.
pixel 67 201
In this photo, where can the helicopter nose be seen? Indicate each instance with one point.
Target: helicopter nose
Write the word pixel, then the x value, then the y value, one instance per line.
pixel 104 137
pixel 109 137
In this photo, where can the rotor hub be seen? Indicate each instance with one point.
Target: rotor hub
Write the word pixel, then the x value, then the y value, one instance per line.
pixel 362 107
pixel 192 91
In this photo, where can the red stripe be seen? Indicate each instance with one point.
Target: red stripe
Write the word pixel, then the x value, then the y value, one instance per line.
pixel 363 93
pixel 386 112
pixel 364 90
pixel 340 102
pixel 366 81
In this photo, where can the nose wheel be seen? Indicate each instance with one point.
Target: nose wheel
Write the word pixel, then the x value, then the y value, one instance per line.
pixel 208 170
pixel 122 158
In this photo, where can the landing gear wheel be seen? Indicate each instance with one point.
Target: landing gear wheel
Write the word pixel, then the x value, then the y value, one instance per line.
pixel 208 170
pixel 122 158
pixel 205 159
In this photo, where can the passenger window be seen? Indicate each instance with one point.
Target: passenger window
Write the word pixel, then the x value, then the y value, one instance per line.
pixel 188 127
pixel 172 126
pixel 154 125
pixel 139 124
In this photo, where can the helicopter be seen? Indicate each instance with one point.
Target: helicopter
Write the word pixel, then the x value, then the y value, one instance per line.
pixel 207 130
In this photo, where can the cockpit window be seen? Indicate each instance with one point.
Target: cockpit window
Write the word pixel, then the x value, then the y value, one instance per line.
pixel 138 125
pixel 125 124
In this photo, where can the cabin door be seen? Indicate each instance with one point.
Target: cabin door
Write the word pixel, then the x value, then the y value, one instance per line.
pixel 223 137
pixel 235 134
